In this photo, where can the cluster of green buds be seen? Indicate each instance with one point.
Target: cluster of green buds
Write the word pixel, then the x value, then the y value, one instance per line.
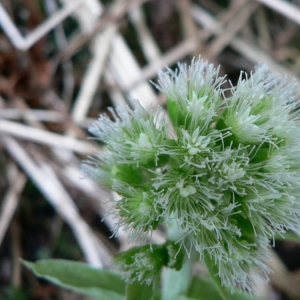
pixel 144 263
pixel 223 166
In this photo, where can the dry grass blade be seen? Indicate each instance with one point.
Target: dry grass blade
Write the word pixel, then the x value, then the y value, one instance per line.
pixel 285 8
pixel 181 50
pixel 47 182
pixel 91 80
pixel 248 50
pixel 115 94
pixel 149 46
pixel 108 20
pixel 229 32
pixel 31 114
pixel 45 137
pixel 24 43
pixel 189 26
pixel 10 199
pixel 67 65
pixel 124 67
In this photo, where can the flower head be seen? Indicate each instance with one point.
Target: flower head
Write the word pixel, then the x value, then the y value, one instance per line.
pixel 261 108
pixel 227 171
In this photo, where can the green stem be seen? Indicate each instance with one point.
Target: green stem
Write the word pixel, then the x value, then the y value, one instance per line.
pixel 176 283
pixel 212 270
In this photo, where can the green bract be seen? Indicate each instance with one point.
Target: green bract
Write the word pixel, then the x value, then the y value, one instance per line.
pixel 145 263
pixel 226 169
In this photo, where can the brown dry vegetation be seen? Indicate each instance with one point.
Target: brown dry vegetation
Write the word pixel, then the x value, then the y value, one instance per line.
pixel 62 63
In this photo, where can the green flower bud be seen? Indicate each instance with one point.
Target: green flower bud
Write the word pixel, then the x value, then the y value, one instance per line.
pixel 141 263
pixel 146 262
pixel 190 90
pixel 134 137
pixel 138 210
pixel 104 171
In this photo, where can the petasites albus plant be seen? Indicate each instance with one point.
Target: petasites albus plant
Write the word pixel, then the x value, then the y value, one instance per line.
pixel 223 168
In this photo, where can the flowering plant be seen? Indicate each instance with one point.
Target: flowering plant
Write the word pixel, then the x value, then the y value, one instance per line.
pixel 226 170
pixel 220 169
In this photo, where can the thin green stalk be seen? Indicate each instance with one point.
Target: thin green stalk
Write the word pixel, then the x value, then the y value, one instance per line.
pixel 177 282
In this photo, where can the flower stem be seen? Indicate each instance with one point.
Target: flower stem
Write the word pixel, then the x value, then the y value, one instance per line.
pixel 177 282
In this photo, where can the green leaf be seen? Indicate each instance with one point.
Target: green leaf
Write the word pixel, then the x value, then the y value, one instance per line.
pixel 138 291
pixel 202 288
pixel 98 283
pixel 176 282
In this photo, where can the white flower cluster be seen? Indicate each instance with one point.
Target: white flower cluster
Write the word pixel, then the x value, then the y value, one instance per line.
pixel 227 171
